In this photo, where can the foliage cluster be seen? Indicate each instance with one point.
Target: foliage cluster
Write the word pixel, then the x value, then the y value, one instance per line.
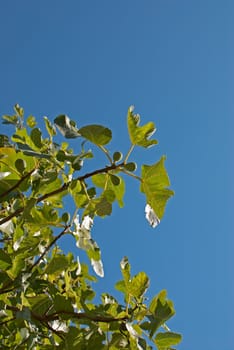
pixel 47 296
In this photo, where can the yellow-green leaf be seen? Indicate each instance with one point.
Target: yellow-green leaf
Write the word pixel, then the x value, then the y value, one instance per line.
pixel 139 135
pixel 154 184
pixel 167 339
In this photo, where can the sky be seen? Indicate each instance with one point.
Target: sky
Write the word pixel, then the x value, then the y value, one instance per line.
pixel 172 60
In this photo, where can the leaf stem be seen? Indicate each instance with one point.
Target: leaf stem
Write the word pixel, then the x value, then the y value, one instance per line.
pixel 131 174
pixel 128 154
pixel 106 153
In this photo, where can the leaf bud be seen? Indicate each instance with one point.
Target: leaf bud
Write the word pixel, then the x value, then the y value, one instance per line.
pixel 117 156
pixel 130 166
pixel 20 165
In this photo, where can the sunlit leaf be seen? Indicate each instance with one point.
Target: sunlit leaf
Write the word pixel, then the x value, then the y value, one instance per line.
pixel 98 267
pixel 49 127
pixel 167 339
pixel 8 119
pixel 139 135
pixel 111 182
pixel 4 174
pixel 31 121
pixel 154 184
pixel 138 285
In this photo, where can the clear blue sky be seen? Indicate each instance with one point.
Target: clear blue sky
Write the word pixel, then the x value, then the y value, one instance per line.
pixel 172 59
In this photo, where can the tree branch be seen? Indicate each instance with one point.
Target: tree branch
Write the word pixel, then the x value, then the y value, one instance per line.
pixel 79 316
pixel 63 188
pixel 17 184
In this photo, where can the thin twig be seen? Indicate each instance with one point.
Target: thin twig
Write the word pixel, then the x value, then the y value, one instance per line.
pixel 49 246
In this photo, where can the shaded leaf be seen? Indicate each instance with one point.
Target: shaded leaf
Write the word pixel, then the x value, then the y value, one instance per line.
pixel 4 141
pixel 57 264
pixel 40 303
pixel 20 165
pixel 62 304
pixel 97 134
pixel 117 156
pixel 66 126
pixel 28 151
pixel 161 310
pixel 5 260
pixel 36 137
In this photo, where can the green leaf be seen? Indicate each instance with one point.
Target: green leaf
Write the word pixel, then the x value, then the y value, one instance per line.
pixel 117 156
pixel 19 110
pixel 49 127
pixel 78 194
pixel 5 260
pixel 4 141
pixel 97 134
pixel 31 121
pixel 65 217
pixel 40 303
pixel 161 310
pixel 111 182
pixel 20 165
pixel 125 269
pixel 66 126
pixel 138 285
pixel 28 151
pixel 167 339
pixel 18 265
pixel 109 195
pixel 130 166
pixel 42 216
pixel 57 264
pixel 121 286
pixel 36 137
pixel 62 304
pixel 103 207
pixel 24 314
pixel 139 135
pixel 114 179
pixel 8 119
pixel 154 184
